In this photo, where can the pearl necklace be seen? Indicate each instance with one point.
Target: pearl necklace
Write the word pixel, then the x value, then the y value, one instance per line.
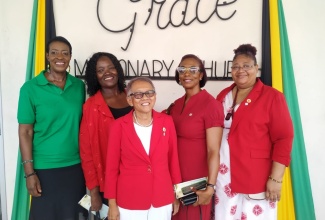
pixel 136 121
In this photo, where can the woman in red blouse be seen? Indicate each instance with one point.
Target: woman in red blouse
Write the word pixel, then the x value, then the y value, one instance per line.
pixel 107 102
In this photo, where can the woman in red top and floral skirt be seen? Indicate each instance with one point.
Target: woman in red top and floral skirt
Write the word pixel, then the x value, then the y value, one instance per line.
pixel 256 144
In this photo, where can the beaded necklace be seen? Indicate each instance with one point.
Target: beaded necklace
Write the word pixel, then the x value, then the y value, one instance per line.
pixel 136 121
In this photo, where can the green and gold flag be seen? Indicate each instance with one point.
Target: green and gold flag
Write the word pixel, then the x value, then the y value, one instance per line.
pixel 277 71
pixel 42 29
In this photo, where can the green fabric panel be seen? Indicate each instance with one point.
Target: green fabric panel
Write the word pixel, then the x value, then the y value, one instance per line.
pixel 21 201
pixel 20 208
pixel 30 69
pixel 303 199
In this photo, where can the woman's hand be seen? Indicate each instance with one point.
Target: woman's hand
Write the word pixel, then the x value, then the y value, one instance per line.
pixel 273 191
pixel 113 212
pixel 204 196
pixel 96 199
pixel 33 186
pixel 274 183
pixel 175 206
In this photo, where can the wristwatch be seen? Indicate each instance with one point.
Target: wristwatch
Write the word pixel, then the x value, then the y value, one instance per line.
pixel 212 185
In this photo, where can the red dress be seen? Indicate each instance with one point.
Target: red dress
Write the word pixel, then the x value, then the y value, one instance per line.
pixel 201 112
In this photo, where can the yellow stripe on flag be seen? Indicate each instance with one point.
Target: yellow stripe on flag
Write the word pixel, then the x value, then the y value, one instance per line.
pixel 286 209
pixel 275 47
pixel 40 38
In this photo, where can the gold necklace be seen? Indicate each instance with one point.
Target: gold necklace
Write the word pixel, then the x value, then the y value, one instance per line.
pixel 136 121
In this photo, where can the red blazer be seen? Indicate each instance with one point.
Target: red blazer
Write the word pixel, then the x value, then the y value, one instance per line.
pixel 93 137
pixel 138 180
pixel 261 132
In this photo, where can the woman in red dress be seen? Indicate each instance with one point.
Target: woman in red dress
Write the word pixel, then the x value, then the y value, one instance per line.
pixel 198 119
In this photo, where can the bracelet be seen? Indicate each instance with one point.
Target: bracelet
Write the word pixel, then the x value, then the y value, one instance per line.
pixel 212 185
pixel 27 161
pixel 31 174
pixel 274 180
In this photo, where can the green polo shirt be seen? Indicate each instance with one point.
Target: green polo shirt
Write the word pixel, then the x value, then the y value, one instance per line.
pixel 55 114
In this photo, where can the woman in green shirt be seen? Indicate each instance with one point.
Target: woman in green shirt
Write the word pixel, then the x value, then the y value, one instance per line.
pixel 49 113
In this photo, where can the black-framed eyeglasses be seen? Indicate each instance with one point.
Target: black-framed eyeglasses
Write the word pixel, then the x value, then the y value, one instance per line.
pixel 228 116
pixel 139 95
pixel 245 67
pixel 192 69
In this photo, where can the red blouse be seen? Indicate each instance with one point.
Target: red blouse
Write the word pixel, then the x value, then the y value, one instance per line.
pixel 94 129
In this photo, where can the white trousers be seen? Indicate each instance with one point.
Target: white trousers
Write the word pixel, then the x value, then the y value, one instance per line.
pixel 160 213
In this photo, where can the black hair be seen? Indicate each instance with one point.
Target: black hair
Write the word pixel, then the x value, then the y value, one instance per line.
pixel 202 69
pixel 247 50
pixel 58 39
pixel 91 76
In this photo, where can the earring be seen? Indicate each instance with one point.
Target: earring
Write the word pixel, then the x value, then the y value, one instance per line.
pixel 180 83
pixel 48 68
pixel 69 69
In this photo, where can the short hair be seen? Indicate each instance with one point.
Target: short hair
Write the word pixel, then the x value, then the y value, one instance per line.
pixel 58 39
pixel 140 78
pixel 247 50
pixel 201 66
pixel 91 74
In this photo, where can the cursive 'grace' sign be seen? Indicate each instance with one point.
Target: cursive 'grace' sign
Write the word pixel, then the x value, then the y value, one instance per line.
pixel 180 8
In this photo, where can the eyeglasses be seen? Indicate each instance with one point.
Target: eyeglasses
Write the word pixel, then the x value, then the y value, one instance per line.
pixel 228 116
pixel 192 69
pixel 139 95
pixel 245 67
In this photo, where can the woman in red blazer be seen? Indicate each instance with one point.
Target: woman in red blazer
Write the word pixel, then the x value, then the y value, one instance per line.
pixel 142 159
pixel 107 102
pixel 256 144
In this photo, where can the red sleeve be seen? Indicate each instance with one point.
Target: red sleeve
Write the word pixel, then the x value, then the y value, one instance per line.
pixel 213 116
pixel 173 154
pixel 281 130
pixel 113 156
pixel 86 156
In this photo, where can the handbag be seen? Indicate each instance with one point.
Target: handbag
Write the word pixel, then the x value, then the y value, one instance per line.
pixel 184 190
pixel 192 197
pixel 189 200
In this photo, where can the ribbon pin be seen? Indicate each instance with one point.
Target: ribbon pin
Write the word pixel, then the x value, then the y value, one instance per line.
pixel 164 131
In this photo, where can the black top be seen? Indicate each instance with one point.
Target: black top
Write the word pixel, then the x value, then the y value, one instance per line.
pixel 119 112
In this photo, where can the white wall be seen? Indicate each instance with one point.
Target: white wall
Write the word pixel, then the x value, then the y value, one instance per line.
pixel 305 22
pixel 15 17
